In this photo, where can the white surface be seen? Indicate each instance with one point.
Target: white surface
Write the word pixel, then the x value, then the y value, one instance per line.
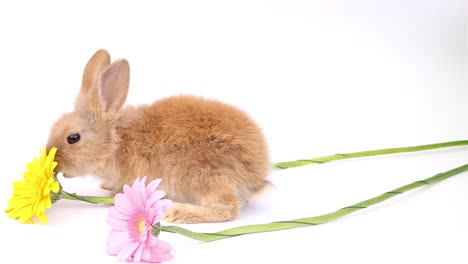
pixel 320 77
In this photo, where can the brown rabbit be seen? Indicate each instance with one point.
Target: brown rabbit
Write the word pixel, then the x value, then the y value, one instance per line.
pixel 210 156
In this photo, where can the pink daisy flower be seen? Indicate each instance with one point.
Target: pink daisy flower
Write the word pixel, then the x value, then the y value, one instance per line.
pixel 131 219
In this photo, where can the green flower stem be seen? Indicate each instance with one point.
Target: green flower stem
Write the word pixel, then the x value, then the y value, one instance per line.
pixel 89 199
pixel 297 163
pixel 315 220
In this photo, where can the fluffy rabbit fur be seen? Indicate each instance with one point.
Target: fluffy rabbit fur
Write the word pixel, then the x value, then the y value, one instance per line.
pixel 210 156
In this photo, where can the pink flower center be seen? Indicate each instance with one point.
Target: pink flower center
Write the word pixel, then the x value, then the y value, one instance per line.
pixel 138 225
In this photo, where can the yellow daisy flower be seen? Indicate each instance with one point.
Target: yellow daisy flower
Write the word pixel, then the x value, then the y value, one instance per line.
pixel 31 197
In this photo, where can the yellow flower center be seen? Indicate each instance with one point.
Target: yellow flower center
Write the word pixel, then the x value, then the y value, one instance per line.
pixel 141 225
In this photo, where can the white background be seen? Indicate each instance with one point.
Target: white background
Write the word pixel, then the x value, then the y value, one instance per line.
pixel 320 77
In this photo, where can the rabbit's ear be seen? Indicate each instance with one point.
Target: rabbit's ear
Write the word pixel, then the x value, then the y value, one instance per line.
pixel 95 66
pixel 113 85
pixel 88 100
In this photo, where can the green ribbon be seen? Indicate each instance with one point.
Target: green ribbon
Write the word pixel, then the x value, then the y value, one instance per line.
pixel 319 160
pixel 88 199
pixel 314 220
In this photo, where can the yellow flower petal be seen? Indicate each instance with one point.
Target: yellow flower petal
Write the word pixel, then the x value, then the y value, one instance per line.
pixel 31 197
pixel 55 187
pixel 42 218
pixel 48 203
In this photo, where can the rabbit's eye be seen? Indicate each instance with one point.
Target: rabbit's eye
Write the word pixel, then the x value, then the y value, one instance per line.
pixel 72 139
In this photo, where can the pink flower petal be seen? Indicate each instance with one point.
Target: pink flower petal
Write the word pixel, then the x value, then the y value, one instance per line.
pixel 153 203
pixel 138 253
pixel 162 246
pixel 157 194
pixel 117 224
pixel 161 205
pixel 127 252
pixel 161 252
pixel 126 189
pixel 137 195
pixel 160 209
pixel 117 212
pixel 152 186
pixel 121 202
pixel 151 215
pixel 151 242
pixel 167 204
pixel 117 241
pixel 158 217
pixel 146 253
pixel 143 180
